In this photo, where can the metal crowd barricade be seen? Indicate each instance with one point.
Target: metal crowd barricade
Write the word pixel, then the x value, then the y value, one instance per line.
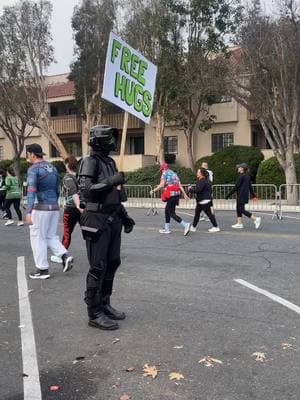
pixel 266 198
pixel 24 195
pixel 219 197
pixel 139 196
pixel 289 199
pixel 62 197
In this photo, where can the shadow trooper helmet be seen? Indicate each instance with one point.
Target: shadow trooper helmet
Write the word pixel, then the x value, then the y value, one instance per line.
pixel 103 138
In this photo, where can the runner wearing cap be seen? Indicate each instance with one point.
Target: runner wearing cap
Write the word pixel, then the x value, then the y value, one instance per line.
pixel 172 188
pixel 43 212
pixel 242 187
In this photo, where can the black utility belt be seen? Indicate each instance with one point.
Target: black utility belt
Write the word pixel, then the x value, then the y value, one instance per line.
pixel 46 207
pixel 102 208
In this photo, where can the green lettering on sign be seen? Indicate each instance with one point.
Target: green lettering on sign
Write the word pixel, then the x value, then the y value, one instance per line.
pixel 138 93
pixel 120 86
pixel 115 50
pixel 125 60
pixel 147 103
pixel 129 92
pixel 142 68
pixel 134 63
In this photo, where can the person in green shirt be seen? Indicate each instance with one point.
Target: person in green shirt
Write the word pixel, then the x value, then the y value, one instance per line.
pixel 13 196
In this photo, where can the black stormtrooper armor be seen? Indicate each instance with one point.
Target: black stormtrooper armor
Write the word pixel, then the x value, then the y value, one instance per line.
pixel 101 223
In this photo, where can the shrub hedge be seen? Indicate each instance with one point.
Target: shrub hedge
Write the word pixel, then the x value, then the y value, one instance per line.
pixel 270 171
pixel 24 165
pixel 151 175
pixel 223 163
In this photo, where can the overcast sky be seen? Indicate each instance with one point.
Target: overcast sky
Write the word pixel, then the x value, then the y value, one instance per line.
pixel 62 31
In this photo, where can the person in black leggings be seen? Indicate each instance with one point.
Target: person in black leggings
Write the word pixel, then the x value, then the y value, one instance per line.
pixel 203 191
pixel 2 188
pixel 172 188
pixel 243 187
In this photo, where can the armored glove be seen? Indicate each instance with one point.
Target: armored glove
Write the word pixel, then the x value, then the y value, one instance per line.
pixel 128 224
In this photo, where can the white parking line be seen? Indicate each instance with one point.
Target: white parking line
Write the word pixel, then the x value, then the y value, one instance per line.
pixel 272 296
pixel 31 381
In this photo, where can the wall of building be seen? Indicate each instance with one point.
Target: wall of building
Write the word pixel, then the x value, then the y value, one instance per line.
pixel 231 118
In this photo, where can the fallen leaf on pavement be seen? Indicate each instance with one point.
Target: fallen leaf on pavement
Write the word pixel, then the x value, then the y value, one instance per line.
pixel 259 356
pixel 286 346
pixel 209 361
pixel 54 388
pixel 77 359
pixel 116 340
pixel 130 369
pixel 176 376
pixel 150 371
pixel 125 397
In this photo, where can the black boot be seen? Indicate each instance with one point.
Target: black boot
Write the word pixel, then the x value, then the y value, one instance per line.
pixel 102 321
pixel 111 312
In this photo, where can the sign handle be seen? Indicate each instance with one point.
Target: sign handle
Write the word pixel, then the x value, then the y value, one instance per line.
pixel 123 141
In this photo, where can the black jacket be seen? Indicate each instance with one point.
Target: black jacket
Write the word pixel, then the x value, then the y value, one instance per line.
pixel 243 186
pixel 202 190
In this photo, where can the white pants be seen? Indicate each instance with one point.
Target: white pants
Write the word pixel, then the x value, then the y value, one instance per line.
pixel 43 235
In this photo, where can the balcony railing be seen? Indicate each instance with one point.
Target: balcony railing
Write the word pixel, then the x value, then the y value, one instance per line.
pixel 73 124
pixel 67 124
pixel 116 120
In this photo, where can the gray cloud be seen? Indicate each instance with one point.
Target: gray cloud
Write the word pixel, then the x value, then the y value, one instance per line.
pixel 62 31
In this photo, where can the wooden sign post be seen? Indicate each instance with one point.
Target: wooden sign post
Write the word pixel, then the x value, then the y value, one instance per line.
pixel 123 142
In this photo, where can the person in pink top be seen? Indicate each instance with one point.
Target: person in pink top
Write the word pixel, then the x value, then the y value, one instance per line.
pixel 170 182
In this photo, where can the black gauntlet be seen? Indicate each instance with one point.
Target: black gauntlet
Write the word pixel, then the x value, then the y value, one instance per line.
pixel 115 180
pixel 128 222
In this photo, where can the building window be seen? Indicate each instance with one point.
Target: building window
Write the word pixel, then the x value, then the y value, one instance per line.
pixel 171 144
pixel 72 146
pixel 137 145
pixel 222 99
pixel 259 139
pixel 221 140
pixel 1 153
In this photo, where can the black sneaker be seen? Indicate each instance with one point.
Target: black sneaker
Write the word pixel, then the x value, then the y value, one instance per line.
pixel 67 261
pixel 40 274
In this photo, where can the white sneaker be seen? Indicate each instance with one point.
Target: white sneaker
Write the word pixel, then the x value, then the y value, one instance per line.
pixel 257 222
pixel 192 228
pixel 237 226
pixel 9 222
pixel 167 231
pixel 187 229
pixel 20 223
pixel 214 229
pixel 56 259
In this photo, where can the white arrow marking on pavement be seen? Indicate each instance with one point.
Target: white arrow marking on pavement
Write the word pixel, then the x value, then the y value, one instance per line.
pixel 272 296
pixel 31 383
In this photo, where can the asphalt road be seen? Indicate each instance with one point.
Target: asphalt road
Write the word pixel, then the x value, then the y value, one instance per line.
pixel 182 304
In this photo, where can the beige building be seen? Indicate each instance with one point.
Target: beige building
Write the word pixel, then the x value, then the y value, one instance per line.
pixel 233 125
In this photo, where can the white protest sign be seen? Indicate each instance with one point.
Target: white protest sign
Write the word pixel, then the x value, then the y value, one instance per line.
pixel 129 79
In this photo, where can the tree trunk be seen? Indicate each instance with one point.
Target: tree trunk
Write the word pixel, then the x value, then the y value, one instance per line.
pixel 45 125
pixel 190 149
pixel 159 135
pixel 17 167
pixel 291 179
pixel 85 133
